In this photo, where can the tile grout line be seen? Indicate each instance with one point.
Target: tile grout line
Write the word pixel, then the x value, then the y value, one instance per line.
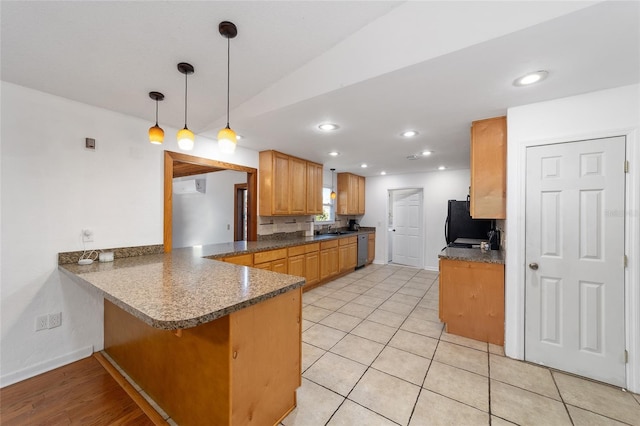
pixel 561 398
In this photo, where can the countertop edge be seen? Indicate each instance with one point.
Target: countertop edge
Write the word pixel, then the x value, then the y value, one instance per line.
pixel 472 255
pixel 186 323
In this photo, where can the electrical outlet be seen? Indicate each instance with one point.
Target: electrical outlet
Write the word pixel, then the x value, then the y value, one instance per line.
pixel 87 236
pixel 42 322
pixel 55 320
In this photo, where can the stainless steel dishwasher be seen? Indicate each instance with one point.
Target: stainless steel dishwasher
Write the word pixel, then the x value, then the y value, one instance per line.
pixel 363 248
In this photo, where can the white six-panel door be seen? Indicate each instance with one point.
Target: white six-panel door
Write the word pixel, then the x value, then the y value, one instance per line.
pixel 574 285
pixel 407 225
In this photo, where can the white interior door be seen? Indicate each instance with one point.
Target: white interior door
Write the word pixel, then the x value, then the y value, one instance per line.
pixel 574 309
pixel 407 228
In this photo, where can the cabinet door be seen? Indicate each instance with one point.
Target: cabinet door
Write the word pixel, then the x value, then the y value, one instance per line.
pixel 333 261
pixel 325 267
pixel 343 194
pixel 279 265
pixel 343 258
pixel 264 265
pixel 352 256
pixel 295 265
pixel 353 195
pixel 371 248
pixel 361 181
pixel 243 259
pixel 297 186
pixel 488 168
pixel 312 267
pixel 280 184
pixel 314 188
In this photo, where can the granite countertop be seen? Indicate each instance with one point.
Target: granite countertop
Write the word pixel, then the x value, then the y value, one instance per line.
pixel 180 289
pixel 472 255
pixel 218 251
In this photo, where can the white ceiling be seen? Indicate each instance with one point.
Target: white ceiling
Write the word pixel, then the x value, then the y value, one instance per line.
pixel 375 68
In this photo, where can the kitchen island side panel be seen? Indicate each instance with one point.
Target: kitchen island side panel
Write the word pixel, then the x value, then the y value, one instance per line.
pixel 243 368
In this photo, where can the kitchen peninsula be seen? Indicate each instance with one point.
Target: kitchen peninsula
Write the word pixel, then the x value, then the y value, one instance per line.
pixel 210 342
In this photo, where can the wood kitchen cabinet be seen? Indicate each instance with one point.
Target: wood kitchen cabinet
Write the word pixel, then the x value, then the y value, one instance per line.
pixel 288 186
pixel 371 248
pixel 272 260
pixel 314 188
pixel 472 299
pixel 488 189
pixel 351 189
pixel 328 259
pixel 347 254
pixel 243 259
pixel 304 261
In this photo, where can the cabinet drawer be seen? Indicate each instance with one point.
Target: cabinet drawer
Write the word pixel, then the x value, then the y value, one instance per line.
pixel 348 240
pixel 243 259
pixel 268 256
pixel 295 251
pixel 310 248
pixel 328 244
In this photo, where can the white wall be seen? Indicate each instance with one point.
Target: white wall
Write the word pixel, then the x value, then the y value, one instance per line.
pixel 52 187
pixel 204 218
pixel 438 187
pixel 594 115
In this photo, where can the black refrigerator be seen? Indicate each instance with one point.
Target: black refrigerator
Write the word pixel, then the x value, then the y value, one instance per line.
pixel 459 224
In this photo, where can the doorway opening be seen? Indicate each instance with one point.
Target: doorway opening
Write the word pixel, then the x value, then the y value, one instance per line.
pixel 240 224
pixel 179 165
pixel 406 230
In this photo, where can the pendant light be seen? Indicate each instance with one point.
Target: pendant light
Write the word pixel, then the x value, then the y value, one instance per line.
pixel 227 139
pixel 333 194
pixel 156 134
pixel 185 136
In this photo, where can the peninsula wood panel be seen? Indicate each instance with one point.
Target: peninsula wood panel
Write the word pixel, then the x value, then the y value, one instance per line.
pixel 472 299
pixel 488 168
pixel 242 368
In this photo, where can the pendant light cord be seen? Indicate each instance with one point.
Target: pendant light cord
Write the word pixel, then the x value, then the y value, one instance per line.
pixel 228 76
pixel 156 112
pixel 185 100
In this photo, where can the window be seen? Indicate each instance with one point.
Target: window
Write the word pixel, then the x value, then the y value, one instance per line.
pixel 328 208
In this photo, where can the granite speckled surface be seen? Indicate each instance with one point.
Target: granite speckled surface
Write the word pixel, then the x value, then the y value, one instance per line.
pixel 189 286
pixel 472 255
pixel 218 251
pixel 118 253
pixel 181 289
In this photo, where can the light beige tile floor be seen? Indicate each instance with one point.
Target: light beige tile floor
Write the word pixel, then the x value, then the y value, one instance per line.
pixel 375 353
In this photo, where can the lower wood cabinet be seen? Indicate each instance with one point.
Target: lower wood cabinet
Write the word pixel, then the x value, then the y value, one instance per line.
pixel 371 248
pixel 329 259
pixel 347 254
pixel 304 262
pixel 316 262
pixel 472 299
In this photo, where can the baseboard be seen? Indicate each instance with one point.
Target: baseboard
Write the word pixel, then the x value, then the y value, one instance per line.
pixel 43 367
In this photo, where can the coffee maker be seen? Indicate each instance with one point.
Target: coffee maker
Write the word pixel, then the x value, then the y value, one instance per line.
pixel 353 225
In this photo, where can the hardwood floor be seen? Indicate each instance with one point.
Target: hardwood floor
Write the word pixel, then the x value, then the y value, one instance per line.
pixel 81 393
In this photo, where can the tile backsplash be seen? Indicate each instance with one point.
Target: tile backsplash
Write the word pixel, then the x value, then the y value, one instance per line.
pixel 269 225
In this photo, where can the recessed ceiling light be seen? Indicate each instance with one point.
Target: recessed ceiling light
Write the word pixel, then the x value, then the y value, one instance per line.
pixel 530 78
pixel 334 153
pixel 383 173
pixel 441 168
pixel 409 134
pixel 426 153
pixel 327 127
pixel 364 165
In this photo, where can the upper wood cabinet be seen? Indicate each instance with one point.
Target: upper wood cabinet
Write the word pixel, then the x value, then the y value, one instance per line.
pixel 350 194
pixel 314 188
pixel 489 168
pixel 288 186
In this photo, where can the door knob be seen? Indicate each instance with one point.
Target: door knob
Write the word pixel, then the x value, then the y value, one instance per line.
pixel 533 266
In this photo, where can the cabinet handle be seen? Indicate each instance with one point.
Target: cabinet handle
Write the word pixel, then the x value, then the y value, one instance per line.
pixel 235 354
pixel 533 266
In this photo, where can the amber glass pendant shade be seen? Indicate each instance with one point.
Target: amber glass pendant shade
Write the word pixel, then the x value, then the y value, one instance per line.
pixel 186 139
pixel 156 134
pixel 227 140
